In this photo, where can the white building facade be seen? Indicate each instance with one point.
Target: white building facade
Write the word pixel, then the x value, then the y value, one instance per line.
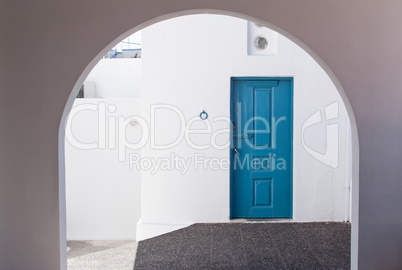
pixel 186 67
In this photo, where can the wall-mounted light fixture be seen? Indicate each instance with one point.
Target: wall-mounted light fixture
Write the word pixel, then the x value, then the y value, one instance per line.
pixel 260 40
pixel 261 43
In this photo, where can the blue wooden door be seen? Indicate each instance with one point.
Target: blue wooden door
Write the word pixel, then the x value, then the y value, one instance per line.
pixel 261 154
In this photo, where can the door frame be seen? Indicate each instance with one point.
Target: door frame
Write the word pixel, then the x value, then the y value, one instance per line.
pixel 231 173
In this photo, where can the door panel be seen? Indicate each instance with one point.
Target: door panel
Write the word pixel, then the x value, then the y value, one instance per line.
pixel 262 116
pixel 261 167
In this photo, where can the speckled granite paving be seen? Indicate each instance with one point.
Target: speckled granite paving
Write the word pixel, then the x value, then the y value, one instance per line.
pixel 249 246
pixel 103 256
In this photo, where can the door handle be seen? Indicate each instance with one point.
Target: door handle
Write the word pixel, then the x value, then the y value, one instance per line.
pixel 235 150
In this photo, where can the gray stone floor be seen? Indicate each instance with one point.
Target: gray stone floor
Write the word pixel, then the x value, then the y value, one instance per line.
pixel 249 246
pixel 101 255
pixel 80 248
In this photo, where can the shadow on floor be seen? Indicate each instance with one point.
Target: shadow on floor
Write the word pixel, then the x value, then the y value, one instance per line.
pixel 249 246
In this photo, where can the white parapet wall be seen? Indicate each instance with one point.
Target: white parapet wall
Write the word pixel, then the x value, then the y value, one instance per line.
pixel 117 78
pixel 102 190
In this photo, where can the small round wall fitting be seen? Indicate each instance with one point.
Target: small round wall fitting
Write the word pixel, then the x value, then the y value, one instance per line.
pixel 203 115
pixel 261 42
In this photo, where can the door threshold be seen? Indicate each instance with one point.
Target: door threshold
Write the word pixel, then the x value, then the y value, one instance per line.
pixel 261 220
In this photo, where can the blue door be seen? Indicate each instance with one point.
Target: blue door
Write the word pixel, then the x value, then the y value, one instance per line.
pixel 261 154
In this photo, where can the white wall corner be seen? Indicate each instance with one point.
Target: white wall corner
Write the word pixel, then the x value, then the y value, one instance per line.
pixel 149 230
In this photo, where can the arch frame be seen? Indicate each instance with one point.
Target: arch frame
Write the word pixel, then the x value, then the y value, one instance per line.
pixel 316 57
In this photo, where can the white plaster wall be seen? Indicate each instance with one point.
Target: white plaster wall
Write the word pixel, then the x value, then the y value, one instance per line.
pixel 102 193
pixel 117 78
pixel 188 63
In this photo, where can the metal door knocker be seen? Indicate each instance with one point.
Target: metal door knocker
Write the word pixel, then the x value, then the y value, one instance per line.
pixel 203 115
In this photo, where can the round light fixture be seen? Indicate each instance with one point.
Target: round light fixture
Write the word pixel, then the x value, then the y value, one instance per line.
pixel 261 43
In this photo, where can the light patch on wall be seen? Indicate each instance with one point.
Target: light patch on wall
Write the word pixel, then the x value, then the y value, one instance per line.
pixel 330 156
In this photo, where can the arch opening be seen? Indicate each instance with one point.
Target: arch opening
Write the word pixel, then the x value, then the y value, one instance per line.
pixel 192 12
